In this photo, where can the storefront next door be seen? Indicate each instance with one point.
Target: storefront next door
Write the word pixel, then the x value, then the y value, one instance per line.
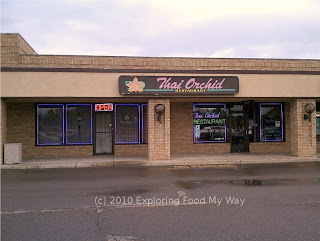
pixel 103 143
pixel 238 127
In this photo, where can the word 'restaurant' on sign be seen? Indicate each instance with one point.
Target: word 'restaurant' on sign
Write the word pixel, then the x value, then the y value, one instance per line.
pixel 178 85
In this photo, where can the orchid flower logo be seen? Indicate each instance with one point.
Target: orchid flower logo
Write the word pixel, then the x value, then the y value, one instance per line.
pixel 135 85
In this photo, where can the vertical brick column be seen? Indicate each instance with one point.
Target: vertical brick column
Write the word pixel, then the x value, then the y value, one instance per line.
pixel 158 134
pixel 3 126
pixel 303 132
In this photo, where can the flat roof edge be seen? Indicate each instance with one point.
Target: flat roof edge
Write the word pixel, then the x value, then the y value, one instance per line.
pixel 169 71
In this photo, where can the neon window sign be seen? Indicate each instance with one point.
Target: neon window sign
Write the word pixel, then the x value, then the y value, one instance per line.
pixel 209 123
pixel 103 107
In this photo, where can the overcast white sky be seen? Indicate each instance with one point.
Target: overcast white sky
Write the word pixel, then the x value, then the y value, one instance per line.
pixel 173 28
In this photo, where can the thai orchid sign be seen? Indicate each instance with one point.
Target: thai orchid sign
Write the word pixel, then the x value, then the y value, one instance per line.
pixel 178 85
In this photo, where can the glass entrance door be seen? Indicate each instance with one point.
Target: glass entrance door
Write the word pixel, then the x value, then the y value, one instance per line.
pixel 238 128
pixel 103 133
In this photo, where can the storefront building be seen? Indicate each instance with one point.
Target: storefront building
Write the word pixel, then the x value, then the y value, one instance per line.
pixel 60 106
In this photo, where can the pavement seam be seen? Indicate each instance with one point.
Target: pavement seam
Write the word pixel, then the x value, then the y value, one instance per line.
pixel 75 166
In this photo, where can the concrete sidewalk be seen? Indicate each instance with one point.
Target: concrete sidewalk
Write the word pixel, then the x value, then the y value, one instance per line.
pixel 176 161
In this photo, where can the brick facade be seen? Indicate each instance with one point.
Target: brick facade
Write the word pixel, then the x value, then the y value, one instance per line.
pixel 303 135
pixel 21 127
pixel 158 133
pixel 175 133
pixel 131 150
pixel 16 52
pixel 182 135
pixel 182 132
pixel 13 46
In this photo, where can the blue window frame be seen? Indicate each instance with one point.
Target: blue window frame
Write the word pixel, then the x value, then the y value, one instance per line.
pixel 209 123
pixel 127 124
pixel 78 124
pixel 64 124
pixel 50 124
pixel 131 123
pixel 271 122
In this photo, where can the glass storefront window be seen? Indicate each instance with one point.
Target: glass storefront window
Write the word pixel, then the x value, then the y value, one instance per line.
pixel 209 123
pixel 50 124
pixel 318 121
pixel 78 124
pixel 127 124
pixel 271 122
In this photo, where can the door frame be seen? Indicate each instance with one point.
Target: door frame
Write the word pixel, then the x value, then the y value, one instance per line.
pixel 94 132
pixel 246 125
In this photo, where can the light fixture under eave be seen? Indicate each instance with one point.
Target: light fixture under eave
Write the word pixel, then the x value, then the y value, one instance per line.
pixel 159 109
pixel 309 108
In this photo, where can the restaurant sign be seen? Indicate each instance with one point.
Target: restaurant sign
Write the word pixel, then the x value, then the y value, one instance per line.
pixel 178 85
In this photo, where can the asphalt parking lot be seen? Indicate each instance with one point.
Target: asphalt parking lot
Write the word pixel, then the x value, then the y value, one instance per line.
pixel 248 202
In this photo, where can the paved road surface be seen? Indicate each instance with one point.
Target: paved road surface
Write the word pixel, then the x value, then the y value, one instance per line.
pixel 270 202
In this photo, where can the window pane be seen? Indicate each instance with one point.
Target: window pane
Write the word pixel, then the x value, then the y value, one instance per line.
pixel 209 123
pixel 144 123
pixel 318 121
pixel 127 123
pixel 271 122
pixel 50 124
pixel 79 124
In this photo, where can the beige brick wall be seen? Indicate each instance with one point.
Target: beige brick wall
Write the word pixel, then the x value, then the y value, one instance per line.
pixel 158 134
pixel 42 61
pixel 16 52
pixel 131 150
pixel 9 51
pixel 21 126
pixel 21 123
pixel 13 45
pixel 303 132
pixel 182 135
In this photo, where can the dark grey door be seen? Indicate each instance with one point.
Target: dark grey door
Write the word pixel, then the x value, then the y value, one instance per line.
pixel 238 128
pixel 104 133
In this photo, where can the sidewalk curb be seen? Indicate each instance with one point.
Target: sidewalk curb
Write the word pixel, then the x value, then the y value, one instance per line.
pixel 169 164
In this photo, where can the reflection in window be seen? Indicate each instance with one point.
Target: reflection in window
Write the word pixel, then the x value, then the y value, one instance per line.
pixel 50 124
pixel 79 124
pixel 209 123
pixel 271 122
pixel 127 129
pixel 318 121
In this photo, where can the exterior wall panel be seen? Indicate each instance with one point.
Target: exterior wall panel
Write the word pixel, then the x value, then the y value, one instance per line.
pixel 70 84
pixel 21 127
